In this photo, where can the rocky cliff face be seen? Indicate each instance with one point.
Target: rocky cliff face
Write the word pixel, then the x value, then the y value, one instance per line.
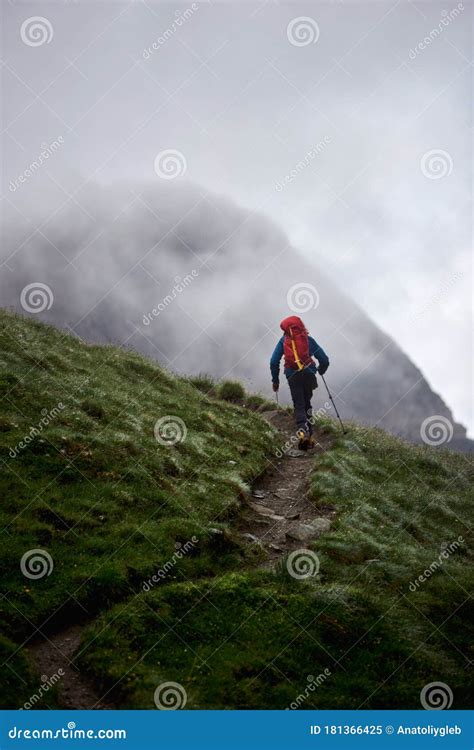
pixel 201 285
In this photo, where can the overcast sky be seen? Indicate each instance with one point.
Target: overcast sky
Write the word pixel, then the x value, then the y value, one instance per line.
pixel 347 123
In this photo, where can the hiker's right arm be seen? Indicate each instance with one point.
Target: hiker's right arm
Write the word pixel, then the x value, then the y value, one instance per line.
pixel 275 362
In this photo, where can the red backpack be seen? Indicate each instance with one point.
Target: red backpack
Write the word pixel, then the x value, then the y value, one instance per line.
pixel 295 343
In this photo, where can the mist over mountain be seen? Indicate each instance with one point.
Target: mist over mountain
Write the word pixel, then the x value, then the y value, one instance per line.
pixel 200 284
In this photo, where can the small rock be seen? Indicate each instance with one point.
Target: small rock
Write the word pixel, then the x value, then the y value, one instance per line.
pixel 321 525
pixel 292 516
pixel 251 538
pixel 275 547
pixel 304 532
pixel 232 462
pixel 216 532
pixel 261 509
pixel 274 517
pixel 259 494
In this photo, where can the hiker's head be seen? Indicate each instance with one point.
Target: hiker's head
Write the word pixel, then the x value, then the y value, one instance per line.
pixel 292 322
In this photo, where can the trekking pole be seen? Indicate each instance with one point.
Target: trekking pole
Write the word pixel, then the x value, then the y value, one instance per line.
pixel 332 401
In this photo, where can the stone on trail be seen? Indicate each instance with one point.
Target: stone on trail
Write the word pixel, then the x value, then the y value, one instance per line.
pixel 259 494
pixel 251 538
pixel 263 510
pixel 304 532
pixel 275 547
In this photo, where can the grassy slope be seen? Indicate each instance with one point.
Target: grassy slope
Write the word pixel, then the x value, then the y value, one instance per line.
pixel 232 636
pixel 96 490
pixel 250 640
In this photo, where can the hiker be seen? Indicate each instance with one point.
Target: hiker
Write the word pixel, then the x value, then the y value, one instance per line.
pixel 299 348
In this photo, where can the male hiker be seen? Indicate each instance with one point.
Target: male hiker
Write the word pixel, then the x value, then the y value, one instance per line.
pixel 299 348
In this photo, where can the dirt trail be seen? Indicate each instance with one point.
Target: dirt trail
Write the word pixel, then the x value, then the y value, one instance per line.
pixel 279 514
pixel 57 652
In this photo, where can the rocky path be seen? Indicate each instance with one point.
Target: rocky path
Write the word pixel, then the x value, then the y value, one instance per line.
pixel 54 656
pixel 279 515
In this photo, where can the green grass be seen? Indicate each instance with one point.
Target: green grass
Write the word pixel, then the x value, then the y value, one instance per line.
pixel 231 390
pixel 115 507
pixel 250 639
pixel 95 489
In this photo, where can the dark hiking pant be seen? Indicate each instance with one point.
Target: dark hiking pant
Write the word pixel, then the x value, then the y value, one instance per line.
pixel 302 384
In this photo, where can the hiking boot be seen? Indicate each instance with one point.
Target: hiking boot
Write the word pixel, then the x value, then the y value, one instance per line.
pixel 303 440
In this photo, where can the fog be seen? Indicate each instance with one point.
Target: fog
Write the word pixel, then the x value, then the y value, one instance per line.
pixel 342 163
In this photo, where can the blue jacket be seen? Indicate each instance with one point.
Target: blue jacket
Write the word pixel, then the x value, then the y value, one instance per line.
pixel 314 350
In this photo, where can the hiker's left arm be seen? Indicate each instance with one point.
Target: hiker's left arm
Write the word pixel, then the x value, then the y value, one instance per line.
pixel 317 351
pixel 275 363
